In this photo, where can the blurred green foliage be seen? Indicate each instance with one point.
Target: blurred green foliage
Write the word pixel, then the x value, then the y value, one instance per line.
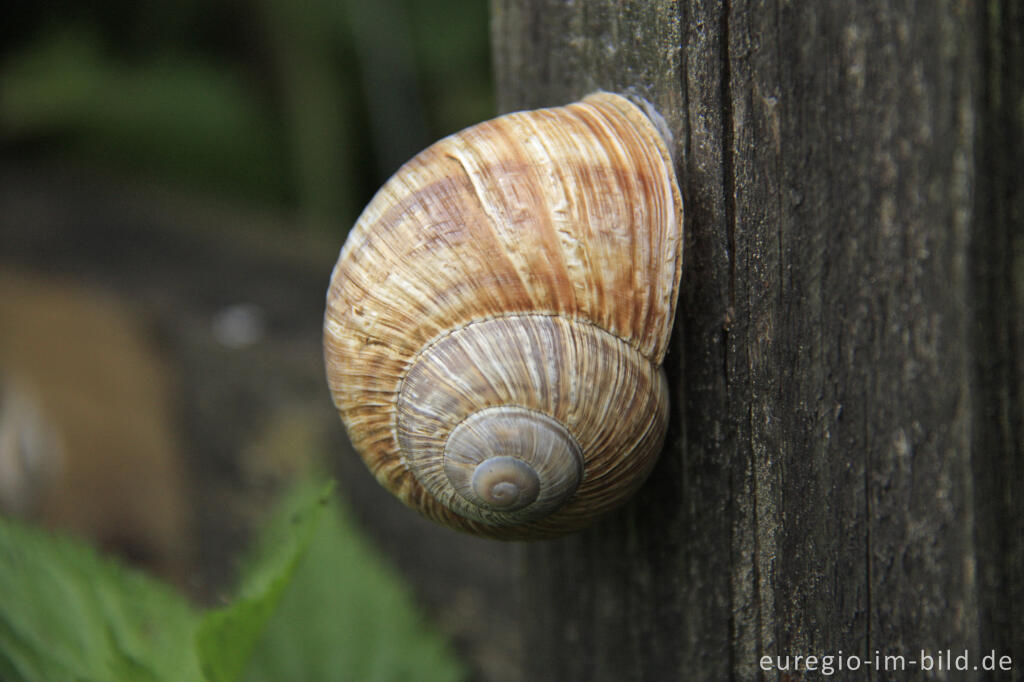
pixel 302 105
pixel 335 612
pixel 70 614
pixel 176 118
pixel 347 615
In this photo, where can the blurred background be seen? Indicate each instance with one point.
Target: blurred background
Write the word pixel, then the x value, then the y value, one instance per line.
pixel 176 180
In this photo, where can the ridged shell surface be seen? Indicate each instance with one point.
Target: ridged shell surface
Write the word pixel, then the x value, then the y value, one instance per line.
pixel 549 237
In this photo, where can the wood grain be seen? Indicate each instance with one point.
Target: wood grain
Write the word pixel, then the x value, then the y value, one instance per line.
pixel 844 463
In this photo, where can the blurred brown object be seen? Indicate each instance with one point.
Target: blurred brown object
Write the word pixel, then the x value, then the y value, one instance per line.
pixel 87 439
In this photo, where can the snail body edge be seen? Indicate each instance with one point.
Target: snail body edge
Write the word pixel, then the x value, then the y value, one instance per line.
pixel 498 316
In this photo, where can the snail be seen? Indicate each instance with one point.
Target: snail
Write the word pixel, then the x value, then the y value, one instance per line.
pixel 498 316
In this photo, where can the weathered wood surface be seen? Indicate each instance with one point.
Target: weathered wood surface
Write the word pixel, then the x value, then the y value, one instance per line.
pixel 844 467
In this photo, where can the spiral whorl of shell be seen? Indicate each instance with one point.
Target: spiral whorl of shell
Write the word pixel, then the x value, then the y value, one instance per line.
pixel 498 316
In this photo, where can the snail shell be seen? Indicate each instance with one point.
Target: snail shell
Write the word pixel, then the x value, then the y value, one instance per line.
pixel 498 316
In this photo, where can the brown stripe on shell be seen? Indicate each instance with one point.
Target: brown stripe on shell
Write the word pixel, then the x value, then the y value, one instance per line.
pixel 592 231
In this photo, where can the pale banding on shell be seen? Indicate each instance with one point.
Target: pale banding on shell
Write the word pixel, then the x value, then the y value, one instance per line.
pixel 572 377
pixel 512 464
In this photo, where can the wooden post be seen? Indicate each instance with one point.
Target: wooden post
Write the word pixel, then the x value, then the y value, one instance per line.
pixel 845 469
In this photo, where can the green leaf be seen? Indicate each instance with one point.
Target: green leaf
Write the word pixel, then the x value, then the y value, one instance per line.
pixel 348 616
pixel 227 636
pixel 68 613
